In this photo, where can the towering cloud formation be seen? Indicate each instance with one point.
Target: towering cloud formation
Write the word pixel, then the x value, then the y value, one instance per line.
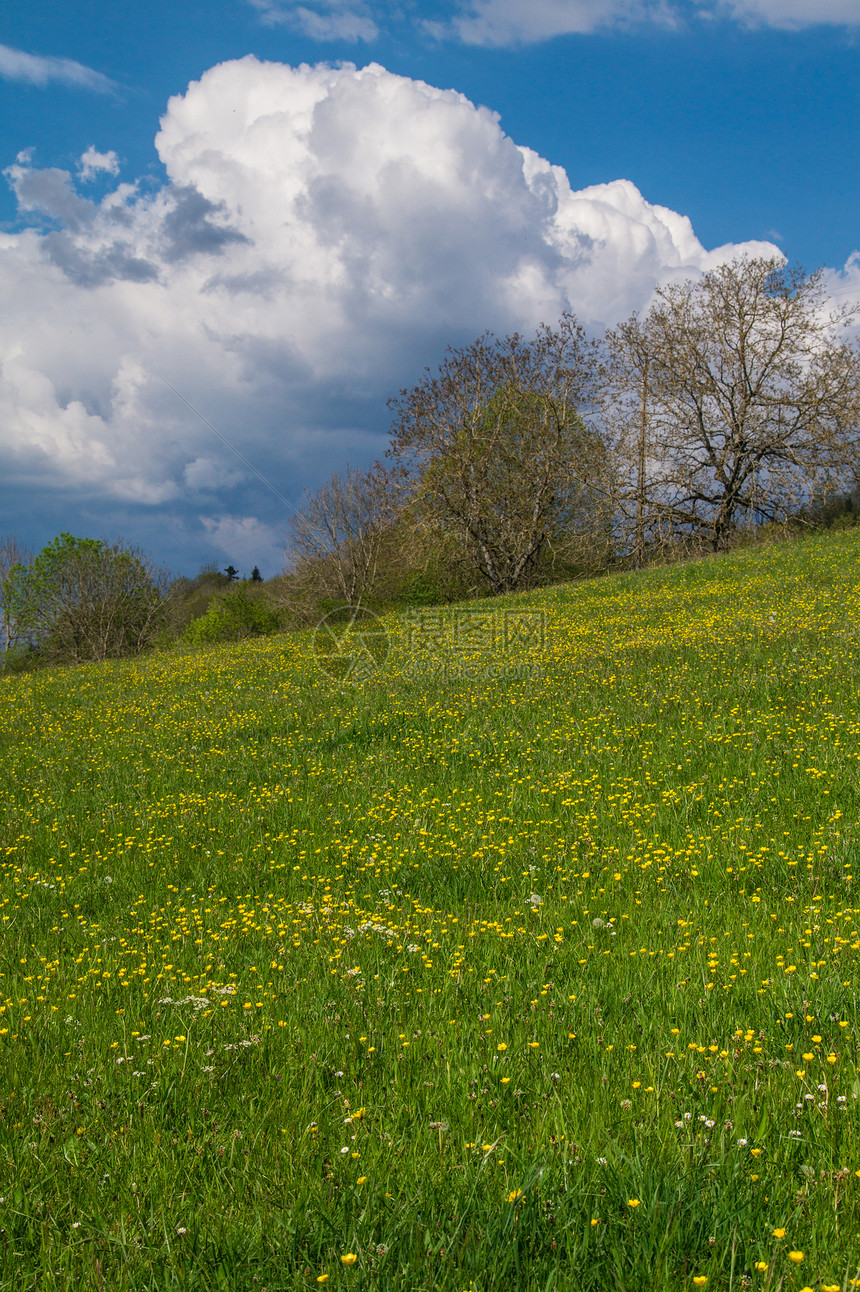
pixel 323 234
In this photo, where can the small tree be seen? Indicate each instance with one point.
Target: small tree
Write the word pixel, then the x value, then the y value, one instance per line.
pixel 502 453
pixel 82 599
pixel 12 554
pixel 743 401
pixel 635 428
pixel 338 533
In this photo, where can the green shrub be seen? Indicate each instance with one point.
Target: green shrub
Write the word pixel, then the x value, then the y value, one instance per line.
pixel 232 617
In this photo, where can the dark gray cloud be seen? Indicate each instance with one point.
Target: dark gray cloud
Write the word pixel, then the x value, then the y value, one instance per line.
pixel 182 224
pixel 51 192
pixel 264 284
pixel 188 228
pixel 86 268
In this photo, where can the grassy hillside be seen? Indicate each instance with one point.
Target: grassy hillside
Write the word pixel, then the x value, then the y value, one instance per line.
pixel 528 961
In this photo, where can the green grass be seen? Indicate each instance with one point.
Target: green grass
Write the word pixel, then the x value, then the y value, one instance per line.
pixel 448 968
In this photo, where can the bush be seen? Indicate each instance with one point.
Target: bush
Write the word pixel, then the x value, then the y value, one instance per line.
pixel 233 616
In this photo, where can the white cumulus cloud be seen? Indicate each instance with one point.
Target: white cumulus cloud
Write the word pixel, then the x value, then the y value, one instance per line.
pixel 94 163
pixel 324 233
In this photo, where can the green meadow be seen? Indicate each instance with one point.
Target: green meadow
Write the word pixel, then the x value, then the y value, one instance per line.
pixel 524 957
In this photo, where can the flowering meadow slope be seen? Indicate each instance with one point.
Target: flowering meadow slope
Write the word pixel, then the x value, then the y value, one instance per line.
pixel 526 959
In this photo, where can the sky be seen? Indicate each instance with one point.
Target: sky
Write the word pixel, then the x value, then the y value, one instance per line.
pixel 230 231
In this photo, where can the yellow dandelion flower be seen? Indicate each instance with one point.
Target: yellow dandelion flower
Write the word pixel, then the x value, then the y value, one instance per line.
pixel 633 1202
pixel 514 1194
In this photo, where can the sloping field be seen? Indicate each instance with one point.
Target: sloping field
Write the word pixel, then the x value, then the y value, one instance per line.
pixel 528 960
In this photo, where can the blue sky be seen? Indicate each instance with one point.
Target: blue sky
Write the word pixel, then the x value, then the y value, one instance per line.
pixel 286 274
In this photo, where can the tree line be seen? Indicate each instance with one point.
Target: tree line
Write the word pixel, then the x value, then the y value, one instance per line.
pixel 84 599
pixel 730 406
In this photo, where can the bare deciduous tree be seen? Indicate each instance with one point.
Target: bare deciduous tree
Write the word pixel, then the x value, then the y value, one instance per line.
pixel 735 401
pixel 12 554
pixel 339 532
pixel 627 410
pixel 500 450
